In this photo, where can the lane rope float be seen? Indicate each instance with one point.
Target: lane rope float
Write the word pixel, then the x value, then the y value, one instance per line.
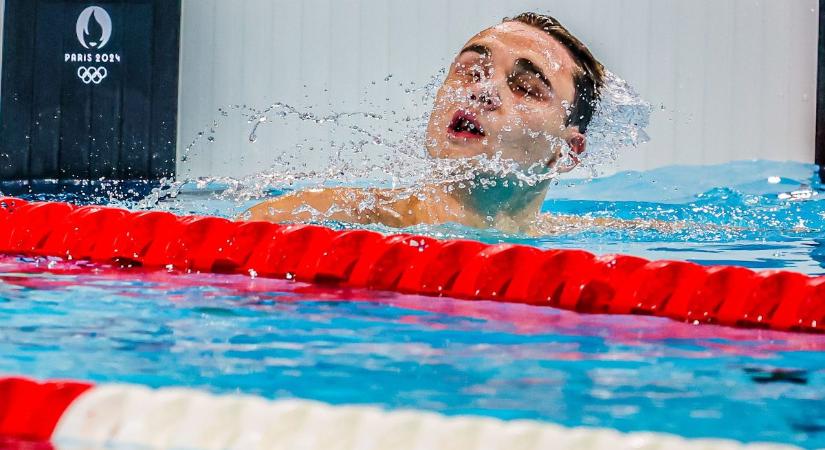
pixel 82 415
pixel 569 279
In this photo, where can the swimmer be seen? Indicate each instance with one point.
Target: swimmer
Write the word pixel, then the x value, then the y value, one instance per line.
pixel 524 91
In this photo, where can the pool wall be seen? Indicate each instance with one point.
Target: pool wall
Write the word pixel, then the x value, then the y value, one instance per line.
pixel 725 82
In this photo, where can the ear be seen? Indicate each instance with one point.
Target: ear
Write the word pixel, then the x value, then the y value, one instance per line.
pixel 578 144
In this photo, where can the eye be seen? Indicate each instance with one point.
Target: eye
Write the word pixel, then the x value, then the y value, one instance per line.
pixel 476 73
pixel 524 90
pixel 526 87
pixel 521 88
pixel 472 72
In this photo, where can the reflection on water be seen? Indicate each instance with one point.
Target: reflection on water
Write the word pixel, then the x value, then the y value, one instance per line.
pixel 818 251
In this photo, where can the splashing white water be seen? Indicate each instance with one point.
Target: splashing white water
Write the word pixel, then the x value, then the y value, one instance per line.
pixel 618 124
pixel 385 147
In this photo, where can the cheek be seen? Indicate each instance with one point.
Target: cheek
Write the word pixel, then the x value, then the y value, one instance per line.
pixel 451 92
pixel 526 123
pixel 548 121
pixel 440 106
pixel 530 135
pixel 446 101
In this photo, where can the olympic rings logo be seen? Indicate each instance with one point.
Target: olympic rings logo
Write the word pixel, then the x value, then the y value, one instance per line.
pixel 92 74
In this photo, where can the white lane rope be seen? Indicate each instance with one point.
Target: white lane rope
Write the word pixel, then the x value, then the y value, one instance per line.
pixel 122 416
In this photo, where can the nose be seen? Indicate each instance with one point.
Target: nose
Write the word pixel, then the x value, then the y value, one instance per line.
pixel 487 98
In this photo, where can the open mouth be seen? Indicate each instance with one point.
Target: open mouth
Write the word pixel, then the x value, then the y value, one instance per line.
pixel 465 125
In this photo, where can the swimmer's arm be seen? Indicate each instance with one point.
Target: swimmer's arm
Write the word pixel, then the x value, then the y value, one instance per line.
pixel 304 206
pixel 555 224
pixel 340 204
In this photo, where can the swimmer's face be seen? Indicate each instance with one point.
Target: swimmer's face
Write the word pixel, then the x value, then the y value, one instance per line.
pixel 508 91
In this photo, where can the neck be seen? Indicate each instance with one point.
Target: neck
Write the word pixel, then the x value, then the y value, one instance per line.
pixel 505 200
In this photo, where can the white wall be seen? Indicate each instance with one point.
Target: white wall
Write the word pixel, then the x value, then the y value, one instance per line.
pixel 731 79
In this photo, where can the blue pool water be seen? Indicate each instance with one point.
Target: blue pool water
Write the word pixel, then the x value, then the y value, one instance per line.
pixel 283 339
pixel 757 214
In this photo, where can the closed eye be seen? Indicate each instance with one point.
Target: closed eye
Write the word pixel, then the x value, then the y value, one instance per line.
pixel 473 73
pixel 527 89
pixel 473 63
pixel 528 81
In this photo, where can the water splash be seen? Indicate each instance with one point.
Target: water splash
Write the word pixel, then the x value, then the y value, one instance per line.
pixel 383 147
pixel 619 123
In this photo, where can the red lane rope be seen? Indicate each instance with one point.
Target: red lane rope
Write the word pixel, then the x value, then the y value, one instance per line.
pixel 29 411
pixel 568 279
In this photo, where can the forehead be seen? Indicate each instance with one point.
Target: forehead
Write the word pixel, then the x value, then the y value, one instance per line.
pixel 518 40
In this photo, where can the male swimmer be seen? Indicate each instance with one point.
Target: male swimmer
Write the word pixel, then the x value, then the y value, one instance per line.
pixel 524 90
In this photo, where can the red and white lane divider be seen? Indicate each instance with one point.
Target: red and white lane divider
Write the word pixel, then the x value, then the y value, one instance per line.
pixel 78 415
pixel 569 279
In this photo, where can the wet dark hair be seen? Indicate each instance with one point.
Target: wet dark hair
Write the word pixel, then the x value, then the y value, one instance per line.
pixel 588 80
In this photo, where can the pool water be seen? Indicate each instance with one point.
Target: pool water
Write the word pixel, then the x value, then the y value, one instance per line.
pixel 277 338
pixel 757 214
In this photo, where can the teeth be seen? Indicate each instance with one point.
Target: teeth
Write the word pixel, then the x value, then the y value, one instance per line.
pixel 466 125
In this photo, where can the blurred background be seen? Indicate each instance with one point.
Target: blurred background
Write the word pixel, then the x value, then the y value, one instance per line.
pixel 728 80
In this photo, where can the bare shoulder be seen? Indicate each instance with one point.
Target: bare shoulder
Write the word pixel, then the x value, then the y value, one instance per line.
pixel 295 206
pixel 344 204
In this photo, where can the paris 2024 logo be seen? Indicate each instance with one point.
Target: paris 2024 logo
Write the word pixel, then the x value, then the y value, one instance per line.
pixel 93 30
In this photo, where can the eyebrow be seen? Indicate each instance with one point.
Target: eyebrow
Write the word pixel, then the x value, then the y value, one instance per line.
pixel 528 66
pixel 476 48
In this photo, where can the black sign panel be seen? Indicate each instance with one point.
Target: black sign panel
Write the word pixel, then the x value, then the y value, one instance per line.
pixel 89 90
pixel 819 154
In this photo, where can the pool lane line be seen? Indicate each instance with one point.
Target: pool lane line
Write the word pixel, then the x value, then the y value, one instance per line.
pixel 81 415
pixel 569 279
